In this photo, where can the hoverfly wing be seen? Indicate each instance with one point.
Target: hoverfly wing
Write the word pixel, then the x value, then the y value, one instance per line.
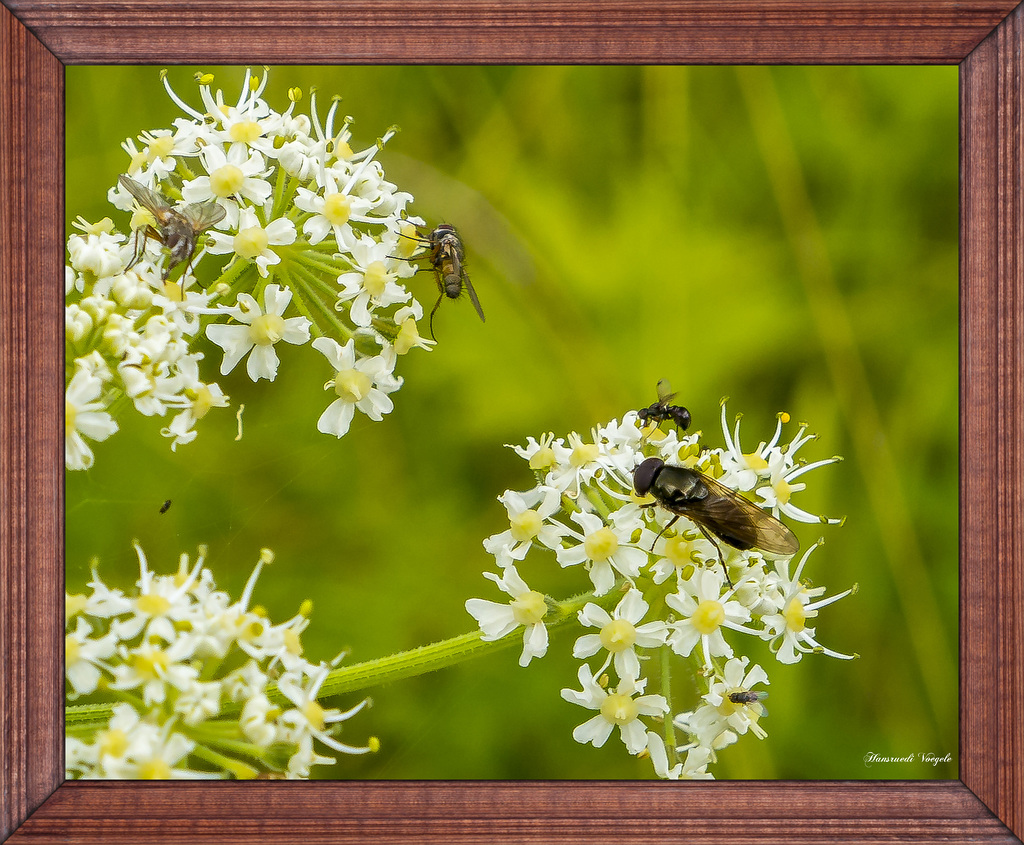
pixel 740 522
pixel 472 296
pixel 202 215
pixel 153 202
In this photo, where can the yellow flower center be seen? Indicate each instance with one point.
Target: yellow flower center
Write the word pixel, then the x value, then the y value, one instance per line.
pixel 583 454
pixel 526 525
pixel 619 709
pixel 250 243
pixel 755 461
pixel 679 551
pixel 375 279
pixel 172 291
pixel 543 458
pixel 152 605
pixel 708 616
pixel 352 385
pixel 292 643
pixel 202 402
pixel 314 714
pixel 150 664
pixel 267 329
pixel 795 615
pixel 529 608
pixel 408 242
pixel 154 770
pixel 75 603
pixel 342 150
pixel 601 545
pixel 226 180
pixel 408 336
pixel 245 131
pixel 69 417
pixel 783 491
pixel 337 209
pixel 160 148
pixel 113 743
pixel 71 650
pixel 618 635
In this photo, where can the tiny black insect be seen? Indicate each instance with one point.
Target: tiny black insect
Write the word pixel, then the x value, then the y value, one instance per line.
pixel 176 229
pixel 446 255
pixel 747 697
pixel 713 508
pixel 661 410
pixel 165 506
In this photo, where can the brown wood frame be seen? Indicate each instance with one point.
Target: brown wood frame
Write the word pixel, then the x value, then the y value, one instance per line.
pixel 984 37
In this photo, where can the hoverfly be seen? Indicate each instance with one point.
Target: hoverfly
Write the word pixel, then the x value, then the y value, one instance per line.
pixel 176 229
pixel 713 508
pixel 661 410
pixel 446 256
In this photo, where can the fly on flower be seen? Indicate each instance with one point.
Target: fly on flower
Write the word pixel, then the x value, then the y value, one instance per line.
pixel 713 508
pixel 446 256
pixel 747 697
pixel 178 230
pixel 661 411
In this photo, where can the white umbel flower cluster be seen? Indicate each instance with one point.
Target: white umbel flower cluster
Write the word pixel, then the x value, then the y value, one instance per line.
pixel 682 596
pixel 252 229
pixel 195 675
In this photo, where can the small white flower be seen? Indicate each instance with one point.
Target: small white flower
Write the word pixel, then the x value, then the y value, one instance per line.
pixel 787 630
pixel 615 709
pixel 604 550
pixel 85 657
pixel 84 417
pixel 529 517
pixel 233 176
pixel 527 608
pixel 362 383
pixel 620 633
pixel 259 332
pixel 705 611
pixel 253 241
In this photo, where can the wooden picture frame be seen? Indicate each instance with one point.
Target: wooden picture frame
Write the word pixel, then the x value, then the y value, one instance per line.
pixel 984 37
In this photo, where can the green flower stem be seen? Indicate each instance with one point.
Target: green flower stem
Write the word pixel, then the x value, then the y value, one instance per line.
pixel 440 655
pixel 666 690
pixel 406 664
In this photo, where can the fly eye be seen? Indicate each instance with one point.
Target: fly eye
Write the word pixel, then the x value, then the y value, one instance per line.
pixel 643 475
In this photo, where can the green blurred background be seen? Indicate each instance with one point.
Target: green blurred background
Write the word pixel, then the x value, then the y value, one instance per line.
pixel 785 236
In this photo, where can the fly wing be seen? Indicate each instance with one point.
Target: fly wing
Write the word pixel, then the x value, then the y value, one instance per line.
pixel 202 215
pixel 153 202
pixel 740 522
pixel 472 296
pixel 665 394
